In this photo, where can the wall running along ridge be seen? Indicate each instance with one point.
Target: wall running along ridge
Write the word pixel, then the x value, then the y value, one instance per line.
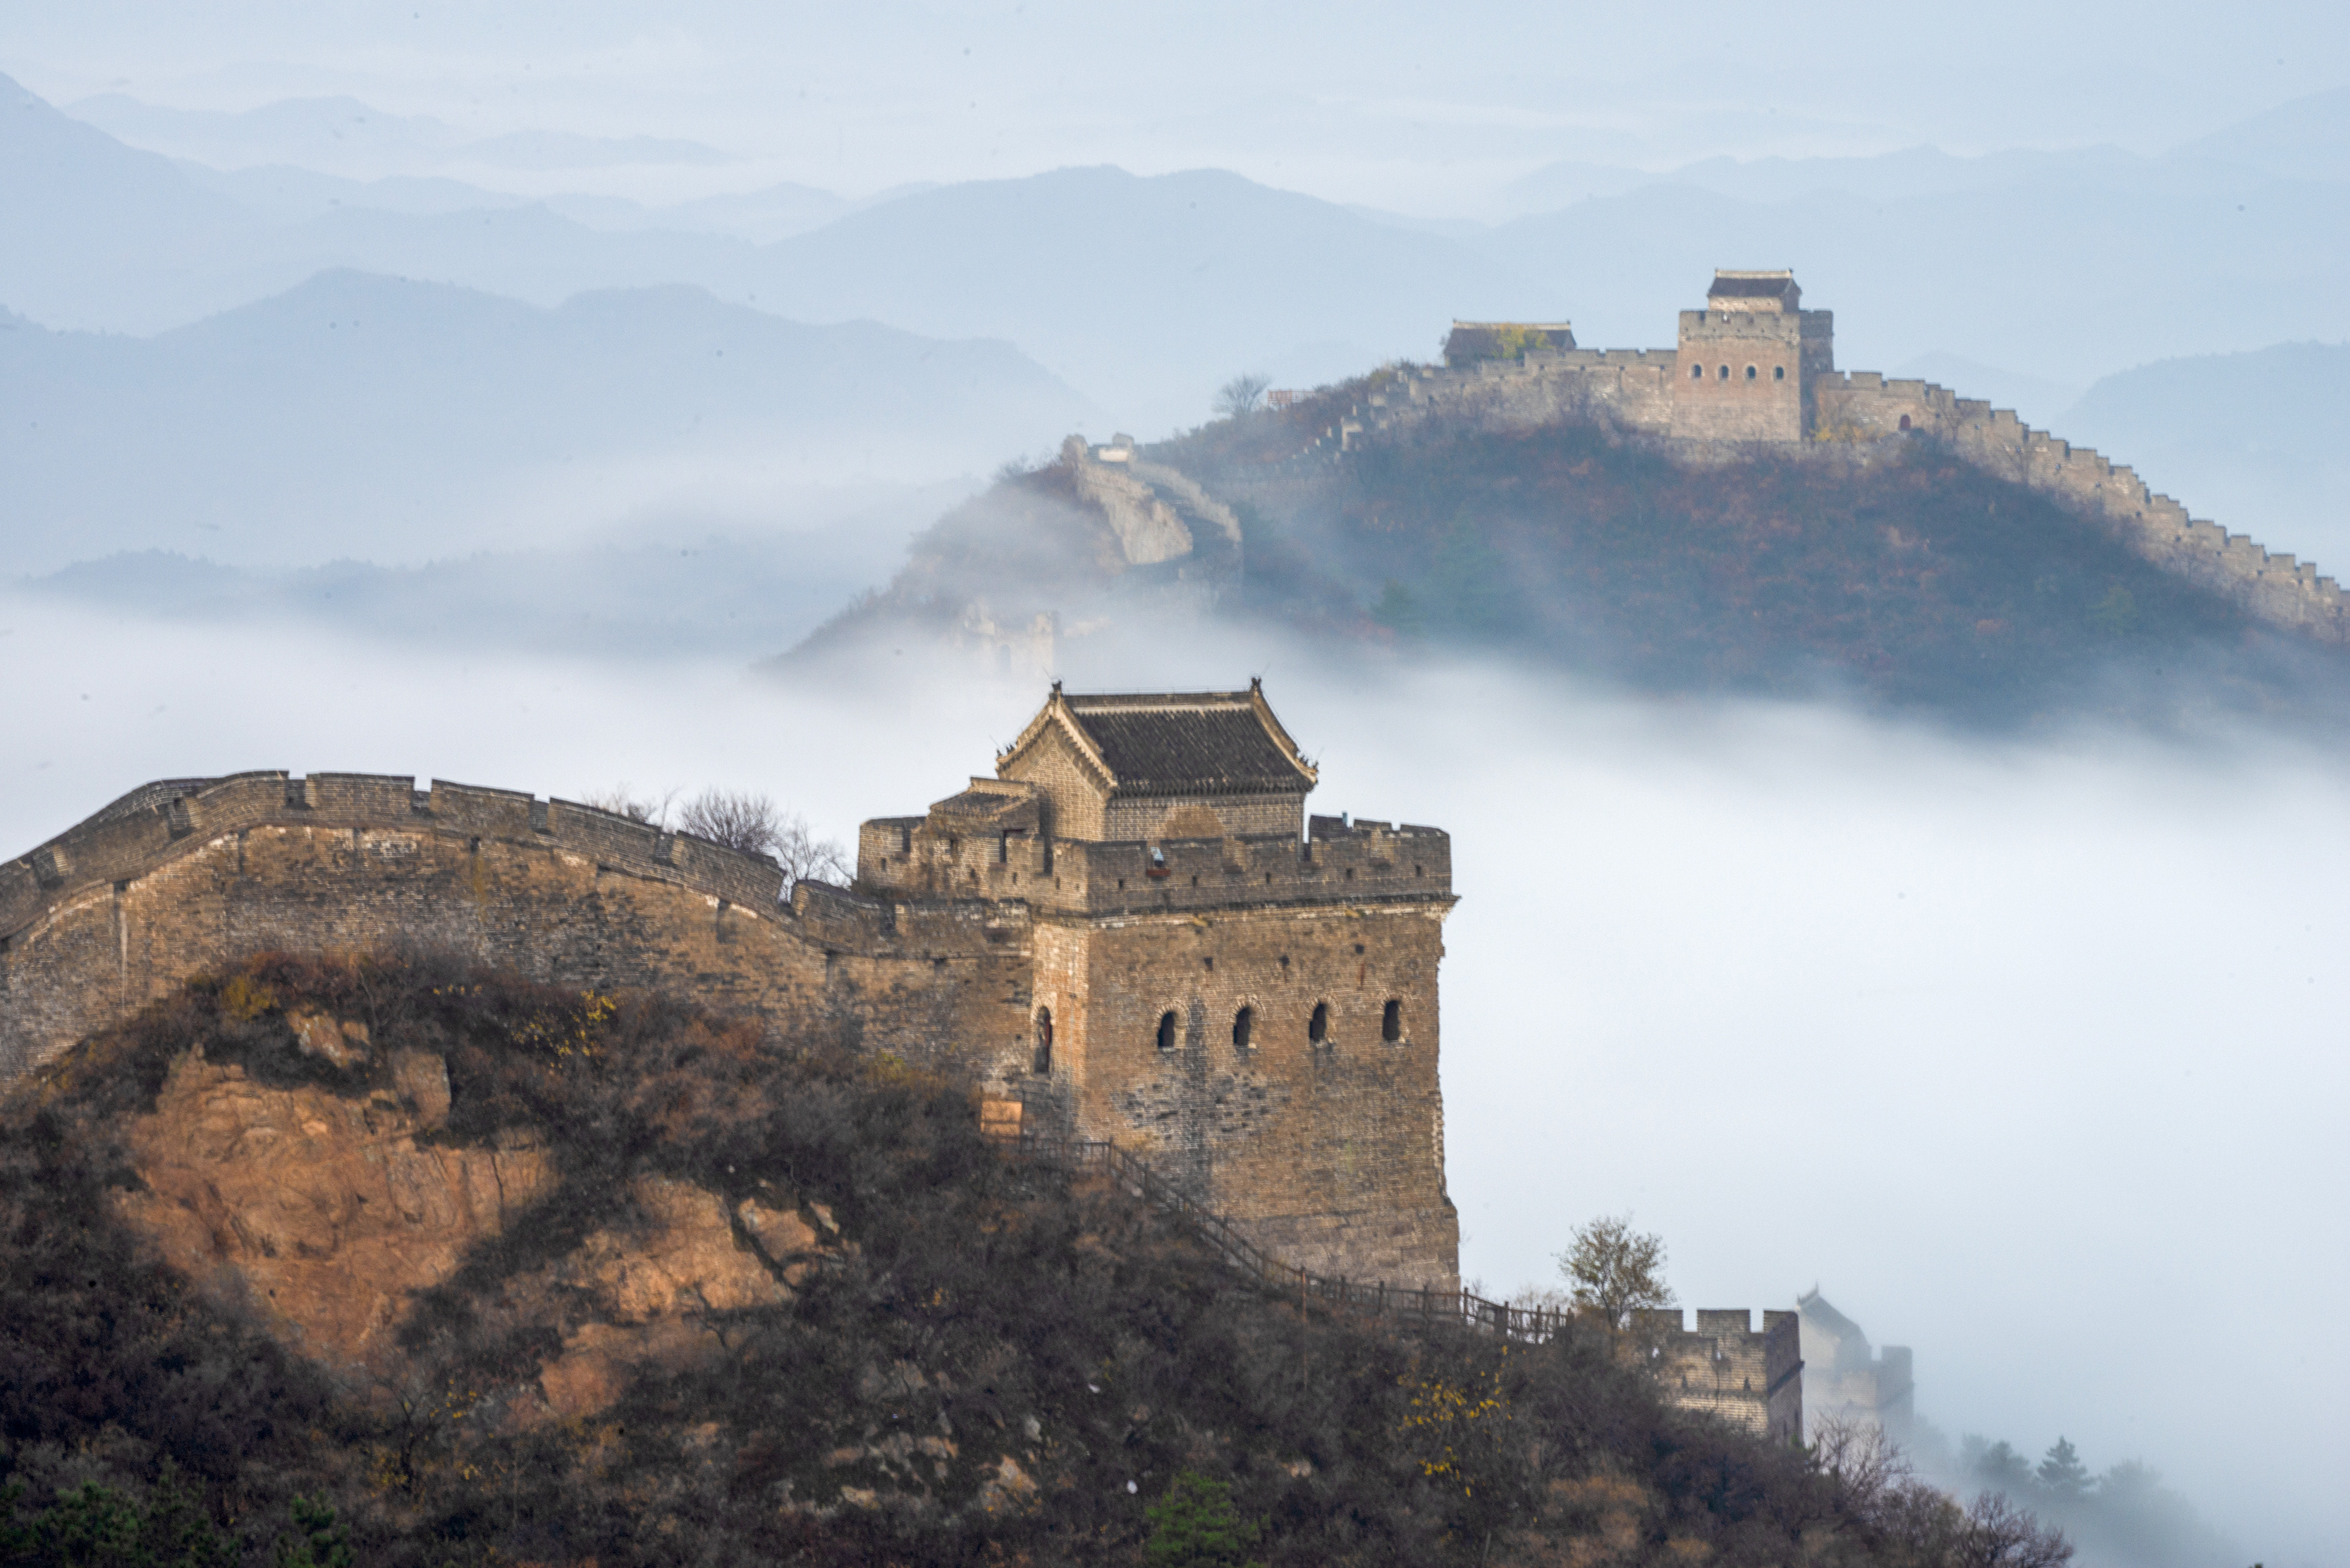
pixel 1725 1368
pixel 1641 392
pixel 1327 1150
pixel 188 876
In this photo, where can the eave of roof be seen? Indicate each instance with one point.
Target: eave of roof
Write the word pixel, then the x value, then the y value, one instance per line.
pixel 1091 722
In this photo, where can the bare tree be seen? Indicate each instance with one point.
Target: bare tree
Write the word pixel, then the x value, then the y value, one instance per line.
pixel 807 858
pixel 736 818
pixel 1998 1535
pixel 1616 1271
pixel 621 800
pixel 1242 394
pixel 756 825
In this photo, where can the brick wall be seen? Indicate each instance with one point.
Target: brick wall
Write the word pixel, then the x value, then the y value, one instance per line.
pixel 1330 1151
pixel 1726 1369
pixel 117 912
pixel 1327 1152
pixel 1741 378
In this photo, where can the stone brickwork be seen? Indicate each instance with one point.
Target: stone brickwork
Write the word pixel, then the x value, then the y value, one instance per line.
pixel 1698 400
pixel 1090 985
pixel 1846 1380
pixel 113 914
pixel 1254 1011
pixel 1726 1369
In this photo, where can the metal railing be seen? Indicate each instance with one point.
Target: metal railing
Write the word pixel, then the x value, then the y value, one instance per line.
pixel 1133 1173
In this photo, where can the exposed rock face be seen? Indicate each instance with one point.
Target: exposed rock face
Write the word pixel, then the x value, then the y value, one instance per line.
pixel 324 1207
pixel 344 1045
pixel 688 1262
pixel 327 1213
pixel 655 1286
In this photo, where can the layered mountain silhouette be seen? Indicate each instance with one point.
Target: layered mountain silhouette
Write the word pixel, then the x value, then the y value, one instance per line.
pixel 359 416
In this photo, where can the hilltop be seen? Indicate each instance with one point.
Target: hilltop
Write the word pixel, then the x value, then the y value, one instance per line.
pixel 508 1273
pixel 1894 574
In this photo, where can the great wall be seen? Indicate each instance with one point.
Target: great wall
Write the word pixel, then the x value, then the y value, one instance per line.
pixel 1131 939
pixel 1753 370
pixel 1133 931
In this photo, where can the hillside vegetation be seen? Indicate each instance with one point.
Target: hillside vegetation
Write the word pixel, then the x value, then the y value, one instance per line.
pixel 457 1269
pixel 1891 575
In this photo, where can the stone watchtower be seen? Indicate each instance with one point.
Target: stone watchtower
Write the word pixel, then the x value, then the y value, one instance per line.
pixel 1748 361
pixel 1244 994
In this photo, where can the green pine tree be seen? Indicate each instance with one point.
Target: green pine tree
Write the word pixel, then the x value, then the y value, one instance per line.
pixel 319 1542
pixel 93 1526
pixel 177 1531
pixel 1193 1526
pixel 2062 1471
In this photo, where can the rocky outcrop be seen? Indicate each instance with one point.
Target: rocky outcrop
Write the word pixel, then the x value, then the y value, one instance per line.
pixel 656 1287
pixel 329 1212
pixel 323 1210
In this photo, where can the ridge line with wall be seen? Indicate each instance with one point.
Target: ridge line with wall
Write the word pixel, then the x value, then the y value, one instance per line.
pixel 1643 391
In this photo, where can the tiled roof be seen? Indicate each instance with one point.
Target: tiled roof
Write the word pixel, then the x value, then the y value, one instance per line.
pixel 1750 288
pixel 1206 742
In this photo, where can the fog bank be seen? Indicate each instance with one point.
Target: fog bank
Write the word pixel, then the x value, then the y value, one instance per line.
pixel 2024 1055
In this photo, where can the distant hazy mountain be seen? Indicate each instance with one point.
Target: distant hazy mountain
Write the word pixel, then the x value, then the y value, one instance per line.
pixel 360 416
pixel 98 234
pixel 2308 138
pixel 2053 280
pixel 346 136
pixel 726 586
pixel 282 193
pixel 2258 442
pixel 1147 292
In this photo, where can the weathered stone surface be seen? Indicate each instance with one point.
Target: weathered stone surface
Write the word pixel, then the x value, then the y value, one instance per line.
pixel 783 1238
pixel 343 1043
pixel 423 1079
pixel 323 1207
pixel 686 1260
pixel 599 1359
pixel 1041 961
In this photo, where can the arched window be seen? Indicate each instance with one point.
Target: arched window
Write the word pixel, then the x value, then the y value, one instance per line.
pixel 1778 372
pixel 1725 372
pixel 1905 421
pixel 1166 1030
pixel 1750 372
pixel 1697 372
pixel 1392 1021
pixel 1317 1028
pixel 1043 1066
pixel 1244 1028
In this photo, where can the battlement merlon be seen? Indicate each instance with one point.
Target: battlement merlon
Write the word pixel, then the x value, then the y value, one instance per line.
pixel 158 821
pixel 1362 863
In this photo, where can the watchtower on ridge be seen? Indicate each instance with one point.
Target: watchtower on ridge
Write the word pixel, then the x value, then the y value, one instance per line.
pixel 1748 361
pixel 1244 993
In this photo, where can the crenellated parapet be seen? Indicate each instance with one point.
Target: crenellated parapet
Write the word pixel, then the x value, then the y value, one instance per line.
pixel 1131 932
pixel 1725 1368
pixel 185 874
pixel 1754 371
pixel 143 830
pixel 1864 406
pixel 944 855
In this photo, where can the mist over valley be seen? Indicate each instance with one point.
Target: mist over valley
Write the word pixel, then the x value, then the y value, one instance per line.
pixel 1879 873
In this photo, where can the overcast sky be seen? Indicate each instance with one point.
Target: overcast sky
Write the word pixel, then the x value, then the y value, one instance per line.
pixel 1406 106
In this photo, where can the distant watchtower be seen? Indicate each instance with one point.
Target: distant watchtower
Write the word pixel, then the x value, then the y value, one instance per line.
pixel 1244 993
pixel 1749 359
